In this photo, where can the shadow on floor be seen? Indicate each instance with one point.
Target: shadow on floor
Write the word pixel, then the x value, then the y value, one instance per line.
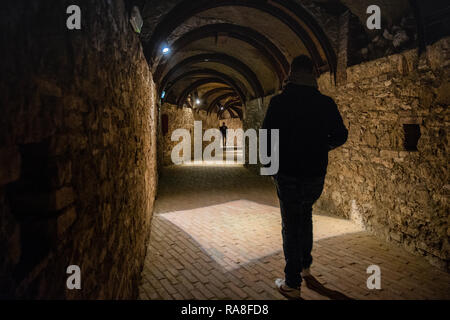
pixel 315 285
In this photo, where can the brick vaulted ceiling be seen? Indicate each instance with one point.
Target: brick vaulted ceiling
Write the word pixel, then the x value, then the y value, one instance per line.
pixel 226 52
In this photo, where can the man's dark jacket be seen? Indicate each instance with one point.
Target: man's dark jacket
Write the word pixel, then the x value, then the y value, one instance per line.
pixel 310 126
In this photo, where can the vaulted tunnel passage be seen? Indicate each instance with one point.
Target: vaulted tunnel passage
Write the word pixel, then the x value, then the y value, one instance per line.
pixel 246 44
pixel 86 143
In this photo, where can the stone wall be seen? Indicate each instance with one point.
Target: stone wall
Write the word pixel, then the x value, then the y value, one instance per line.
pixel 181 118
pixel 399 194
pixel 77 151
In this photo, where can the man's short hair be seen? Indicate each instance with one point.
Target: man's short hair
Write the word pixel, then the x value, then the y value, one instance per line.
pixel 302 64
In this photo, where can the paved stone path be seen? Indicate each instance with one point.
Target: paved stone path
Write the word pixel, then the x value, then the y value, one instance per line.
pixel 216 234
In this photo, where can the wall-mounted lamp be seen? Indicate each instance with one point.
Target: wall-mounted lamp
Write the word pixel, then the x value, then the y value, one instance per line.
pixel 136 20
pixel 165 50
pixel 163 95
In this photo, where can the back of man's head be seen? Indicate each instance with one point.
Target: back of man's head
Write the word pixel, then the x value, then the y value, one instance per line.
pixel 302 64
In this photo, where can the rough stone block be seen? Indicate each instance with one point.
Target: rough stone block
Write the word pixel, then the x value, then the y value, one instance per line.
pixel 65 220
pixel 61 199
pixel 74 121
pixel 402 65
pixel 14 246
pixel 59 144
pixel 62 172
pixel 443 94
pixel 396 236
pixel 10 161
pixel 75 103
pixel 47 87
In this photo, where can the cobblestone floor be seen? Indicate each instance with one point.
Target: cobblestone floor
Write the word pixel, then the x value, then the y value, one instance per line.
pixel 216 234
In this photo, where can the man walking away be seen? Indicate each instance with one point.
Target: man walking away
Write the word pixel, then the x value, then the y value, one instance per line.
pixel 223 129
pixel 310 126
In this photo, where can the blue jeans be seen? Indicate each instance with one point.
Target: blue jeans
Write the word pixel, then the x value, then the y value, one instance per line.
pixel 297 197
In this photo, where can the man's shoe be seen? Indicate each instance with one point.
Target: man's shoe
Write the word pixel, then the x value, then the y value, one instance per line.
pixel 288 292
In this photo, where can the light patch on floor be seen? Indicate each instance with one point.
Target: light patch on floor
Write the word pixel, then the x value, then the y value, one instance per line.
pixel 232 157
pixel 238 232
pixel 212 163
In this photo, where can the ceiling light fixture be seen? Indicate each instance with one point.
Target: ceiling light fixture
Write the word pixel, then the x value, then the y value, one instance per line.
pixel 165 50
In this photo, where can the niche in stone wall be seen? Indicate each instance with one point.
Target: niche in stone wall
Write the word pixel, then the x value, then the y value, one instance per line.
pixel 165 124
pixel 412 136
pixel 411 131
